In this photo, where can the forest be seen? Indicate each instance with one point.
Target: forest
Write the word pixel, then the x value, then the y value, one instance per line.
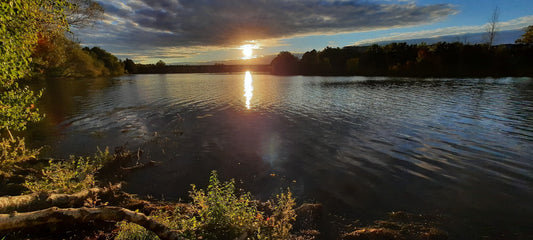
pixel 421 60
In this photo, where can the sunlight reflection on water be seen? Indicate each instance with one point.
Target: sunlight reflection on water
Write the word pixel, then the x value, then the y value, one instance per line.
pixel 248 88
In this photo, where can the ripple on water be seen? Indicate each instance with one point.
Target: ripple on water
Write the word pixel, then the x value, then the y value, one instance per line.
pixel 368 144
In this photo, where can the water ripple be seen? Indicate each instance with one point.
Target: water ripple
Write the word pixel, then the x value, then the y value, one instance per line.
pixel 369 144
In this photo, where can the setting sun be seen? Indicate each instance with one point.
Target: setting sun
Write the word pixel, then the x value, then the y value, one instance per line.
pixel 247 51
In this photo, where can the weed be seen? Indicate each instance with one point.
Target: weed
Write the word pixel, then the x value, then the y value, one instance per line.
pixel 12 153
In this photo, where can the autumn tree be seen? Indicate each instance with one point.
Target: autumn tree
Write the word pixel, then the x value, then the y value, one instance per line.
pixel 527 37
pixel 21 24
pixel 55 51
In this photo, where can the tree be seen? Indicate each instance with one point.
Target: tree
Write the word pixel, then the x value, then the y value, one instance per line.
pixel 527 37
pixel 285 64
pixel 130 66
pixel 310 63
pixel 83 13
pixel 160 63
pixel 111 62
pixel 21 24
pixel 492 26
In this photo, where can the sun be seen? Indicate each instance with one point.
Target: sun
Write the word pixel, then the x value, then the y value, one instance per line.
pixel 248 51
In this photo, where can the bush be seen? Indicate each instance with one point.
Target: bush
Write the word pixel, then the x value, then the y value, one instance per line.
pixel 218 213
pixel 69 176
pixel 222 214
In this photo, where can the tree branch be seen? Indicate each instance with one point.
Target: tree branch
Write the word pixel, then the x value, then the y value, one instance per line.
pixel 56 215
pixel 35 201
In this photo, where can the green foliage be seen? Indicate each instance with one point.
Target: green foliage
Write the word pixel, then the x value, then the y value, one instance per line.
pixel 221 213
pixel 69 176
pixel 111 62
pixel 218 213
pixel 12 153
pixel 82 64
pixel 59 56
pixel 21 23
pixel 17 108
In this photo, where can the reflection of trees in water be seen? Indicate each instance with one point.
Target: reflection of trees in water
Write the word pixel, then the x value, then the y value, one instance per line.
pixel 60 97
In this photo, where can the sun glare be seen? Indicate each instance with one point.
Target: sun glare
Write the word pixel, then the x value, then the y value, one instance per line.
pixel 248 51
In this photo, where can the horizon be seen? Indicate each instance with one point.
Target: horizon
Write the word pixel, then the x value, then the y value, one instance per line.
pixel 211 31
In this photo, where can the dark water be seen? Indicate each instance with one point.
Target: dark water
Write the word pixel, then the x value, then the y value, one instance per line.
pixel 361 146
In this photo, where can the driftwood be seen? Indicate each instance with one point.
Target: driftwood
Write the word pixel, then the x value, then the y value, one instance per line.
pixel 140 165
pixel 9 222
pixel 32 202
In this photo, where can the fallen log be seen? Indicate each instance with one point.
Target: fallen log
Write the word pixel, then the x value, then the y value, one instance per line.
pixel 9 222
pixel 32 202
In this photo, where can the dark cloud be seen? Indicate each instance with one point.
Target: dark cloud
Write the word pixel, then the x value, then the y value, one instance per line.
pixel 231 22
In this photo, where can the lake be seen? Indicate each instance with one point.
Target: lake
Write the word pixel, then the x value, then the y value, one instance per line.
pixel 362 146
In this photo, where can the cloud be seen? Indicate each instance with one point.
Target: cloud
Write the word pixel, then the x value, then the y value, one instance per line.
pixel 513 24
pixel 199 23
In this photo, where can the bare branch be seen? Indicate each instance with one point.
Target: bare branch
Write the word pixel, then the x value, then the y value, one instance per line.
pixel 493 26
pixel 84 13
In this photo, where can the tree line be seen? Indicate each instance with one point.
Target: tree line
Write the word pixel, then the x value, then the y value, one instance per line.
pixel 161 68
pixel 418 60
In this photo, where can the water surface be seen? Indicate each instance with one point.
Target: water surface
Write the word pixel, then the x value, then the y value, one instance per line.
pixel 361 146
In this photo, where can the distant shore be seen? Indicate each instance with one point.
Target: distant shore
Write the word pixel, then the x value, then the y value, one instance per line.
pixel 441 60
pixel 216 68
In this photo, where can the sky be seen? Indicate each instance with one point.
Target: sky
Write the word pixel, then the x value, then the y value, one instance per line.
pixel 208 31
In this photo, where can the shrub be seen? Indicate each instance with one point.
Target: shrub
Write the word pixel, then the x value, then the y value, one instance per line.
pixel 218 213
pixel 278 225
pixel 69 176
pixel 222 214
